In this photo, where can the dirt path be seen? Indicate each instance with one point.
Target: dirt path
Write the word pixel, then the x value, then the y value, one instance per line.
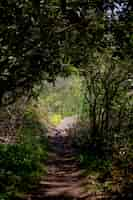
pixel 65 180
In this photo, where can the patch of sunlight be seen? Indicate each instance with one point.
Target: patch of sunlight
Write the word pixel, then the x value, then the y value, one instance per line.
pixel 55 119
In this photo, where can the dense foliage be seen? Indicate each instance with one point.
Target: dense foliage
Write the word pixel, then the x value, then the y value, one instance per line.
pixel 21 165
pixel 41 39
pixel 26 47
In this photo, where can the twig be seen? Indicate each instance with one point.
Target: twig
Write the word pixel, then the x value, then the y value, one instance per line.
pixel 64 29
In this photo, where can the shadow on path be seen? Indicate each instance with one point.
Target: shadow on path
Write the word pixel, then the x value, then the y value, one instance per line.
pixel 65 180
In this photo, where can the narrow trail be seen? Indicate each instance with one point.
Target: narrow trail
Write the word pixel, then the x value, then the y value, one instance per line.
pixel 65 180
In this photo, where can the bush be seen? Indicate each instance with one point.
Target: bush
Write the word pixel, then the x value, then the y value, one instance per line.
pixel 21 165
pixel 93 163
pixel 122 171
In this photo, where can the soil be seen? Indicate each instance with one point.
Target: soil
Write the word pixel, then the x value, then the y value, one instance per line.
pixel 65 179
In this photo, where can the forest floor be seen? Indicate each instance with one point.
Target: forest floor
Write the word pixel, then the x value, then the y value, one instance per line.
pixel 65 179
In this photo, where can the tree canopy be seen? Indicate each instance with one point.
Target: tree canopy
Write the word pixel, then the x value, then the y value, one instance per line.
pixel 40 39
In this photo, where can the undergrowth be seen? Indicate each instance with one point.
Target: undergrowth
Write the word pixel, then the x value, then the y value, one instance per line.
pixel 22 164
pixel 113 173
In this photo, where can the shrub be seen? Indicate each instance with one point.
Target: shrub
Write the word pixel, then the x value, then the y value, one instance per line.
pixel 21 165
pixel 122 171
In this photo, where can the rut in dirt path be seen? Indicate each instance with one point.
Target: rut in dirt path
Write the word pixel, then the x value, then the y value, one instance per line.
pixel 65 179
